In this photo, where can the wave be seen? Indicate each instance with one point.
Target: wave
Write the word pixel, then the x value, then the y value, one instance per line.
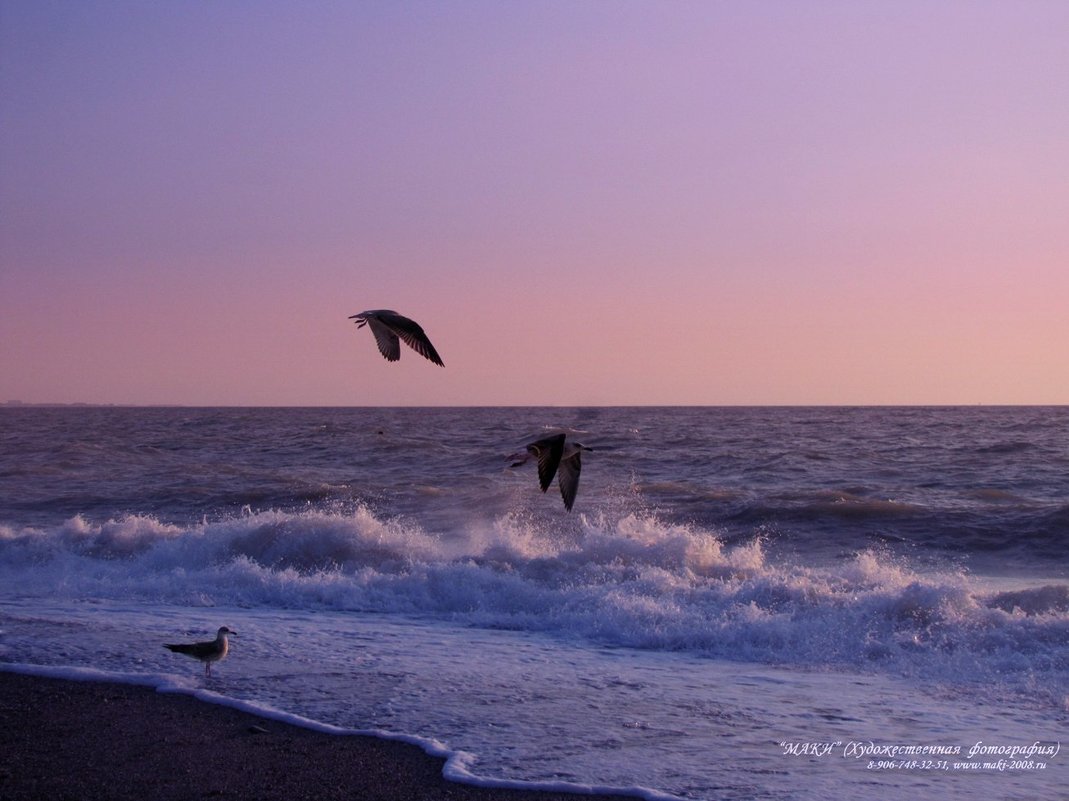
pixel 630 581
pixel 844 504
pixel 1006 448
pixel 459 766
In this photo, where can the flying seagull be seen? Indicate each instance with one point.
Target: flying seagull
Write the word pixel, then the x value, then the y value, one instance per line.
pixel 389 328
pixel 206 652
pixel 556 456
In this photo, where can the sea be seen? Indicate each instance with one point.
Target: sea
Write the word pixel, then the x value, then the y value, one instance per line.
pixel 745 604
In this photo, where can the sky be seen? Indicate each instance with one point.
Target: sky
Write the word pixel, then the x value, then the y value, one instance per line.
pixel 583 203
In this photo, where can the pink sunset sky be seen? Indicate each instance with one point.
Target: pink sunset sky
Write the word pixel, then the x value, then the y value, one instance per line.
pixel 581 202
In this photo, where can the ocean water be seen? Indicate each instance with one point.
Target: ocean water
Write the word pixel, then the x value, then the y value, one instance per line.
pixel 766 603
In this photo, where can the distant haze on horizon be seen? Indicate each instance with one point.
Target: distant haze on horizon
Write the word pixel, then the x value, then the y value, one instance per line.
pixel 598 203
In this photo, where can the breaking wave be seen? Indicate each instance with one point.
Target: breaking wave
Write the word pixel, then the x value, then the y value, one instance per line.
pixel 632 581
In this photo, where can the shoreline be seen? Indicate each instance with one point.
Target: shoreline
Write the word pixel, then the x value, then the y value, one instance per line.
pixel 63 738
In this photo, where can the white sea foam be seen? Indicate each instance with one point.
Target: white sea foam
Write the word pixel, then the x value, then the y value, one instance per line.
pixel 730 580
pixel 516 709
pixel 631 581
pixel 459 765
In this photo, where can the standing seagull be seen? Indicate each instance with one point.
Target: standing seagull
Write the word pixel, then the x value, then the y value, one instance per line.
pixel 206 652
pixel 389 328
pixel 554 455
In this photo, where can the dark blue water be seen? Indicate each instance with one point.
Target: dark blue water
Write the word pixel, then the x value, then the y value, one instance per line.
pixel 730 579
pixel 988 487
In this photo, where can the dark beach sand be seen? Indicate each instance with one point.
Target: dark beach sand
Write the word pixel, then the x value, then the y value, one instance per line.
pixel 65 740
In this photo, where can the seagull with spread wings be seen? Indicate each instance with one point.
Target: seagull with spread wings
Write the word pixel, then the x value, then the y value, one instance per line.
pixel 390 328
pixel 555 456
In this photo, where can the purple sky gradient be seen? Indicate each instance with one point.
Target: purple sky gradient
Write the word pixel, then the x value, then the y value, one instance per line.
pixel 582 203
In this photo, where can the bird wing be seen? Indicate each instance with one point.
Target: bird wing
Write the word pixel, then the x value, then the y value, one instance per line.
pixel 200 650
pixel 389 344
pixel 390 328
pixel 568 478
pixel 413 335
pixel 548 452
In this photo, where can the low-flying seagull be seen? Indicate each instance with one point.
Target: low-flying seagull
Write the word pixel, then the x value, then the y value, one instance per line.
pixel 389 328
pixel 556 456
pixel 206 652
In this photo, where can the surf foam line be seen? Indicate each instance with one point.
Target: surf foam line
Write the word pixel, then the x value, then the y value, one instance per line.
pixel 457 767
pixel 632 581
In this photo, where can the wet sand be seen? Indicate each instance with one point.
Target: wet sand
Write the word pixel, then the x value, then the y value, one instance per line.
pixel 64 740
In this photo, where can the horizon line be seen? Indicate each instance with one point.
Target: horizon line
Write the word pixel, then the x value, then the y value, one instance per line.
pixel 17 404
